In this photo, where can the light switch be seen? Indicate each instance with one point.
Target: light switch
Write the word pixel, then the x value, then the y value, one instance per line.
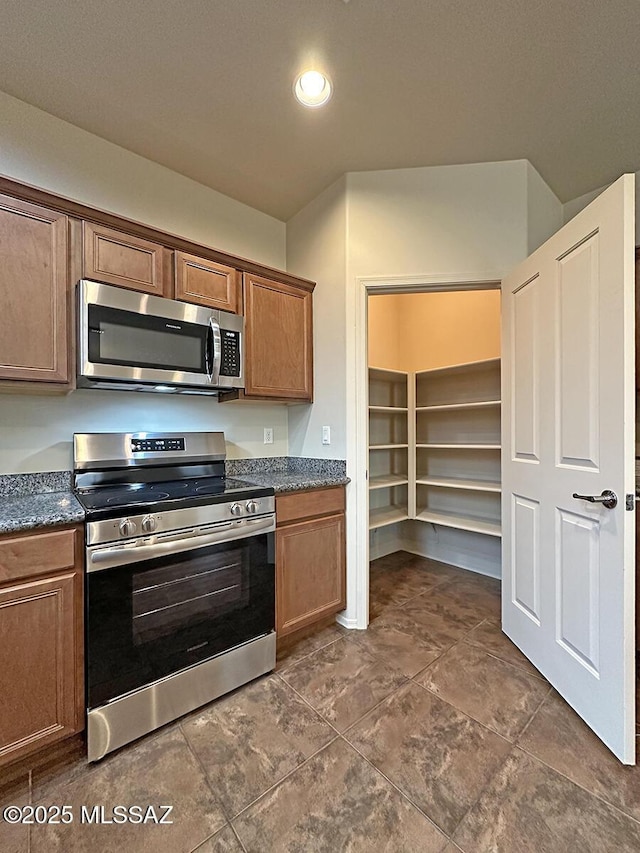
pixel 326 435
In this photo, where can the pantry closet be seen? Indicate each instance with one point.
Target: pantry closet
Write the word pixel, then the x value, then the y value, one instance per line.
pixel 434 426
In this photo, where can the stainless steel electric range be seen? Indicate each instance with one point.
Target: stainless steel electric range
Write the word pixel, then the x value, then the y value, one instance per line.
pixel 180 583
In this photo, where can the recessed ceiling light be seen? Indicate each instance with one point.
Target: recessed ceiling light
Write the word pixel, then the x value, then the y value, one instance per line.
pixel 312 88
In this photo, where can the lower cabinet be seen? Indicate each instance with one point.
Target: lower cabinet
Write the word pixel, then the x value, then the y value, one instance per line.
pixel 310 558
pixel 41 640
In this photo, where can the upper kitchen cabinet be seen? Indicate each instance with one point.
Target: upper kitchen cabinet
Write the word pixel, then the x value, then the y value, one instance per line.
pixel 115 258
pixel 207 283
pixel 34 264
pixel 278 339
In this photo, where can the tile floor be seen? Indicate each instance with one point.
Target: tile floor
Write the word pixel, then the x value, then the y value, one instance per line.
pixel 429 732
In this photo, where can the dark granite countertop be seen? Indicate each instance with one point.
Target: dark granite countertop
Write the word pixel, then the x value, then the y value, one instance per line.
pixel 289 474
pixel 284 482
pixel 33 501
pixel 30 512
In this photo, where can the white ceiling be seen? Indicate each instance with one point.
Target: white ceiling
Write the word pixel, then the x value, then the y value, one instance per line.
pixel 205 86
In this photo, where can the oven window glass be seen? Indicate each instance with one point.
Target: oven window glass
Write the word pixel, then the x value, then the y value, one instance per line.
pixel 139 340
pixel 171 598
pixel 148 620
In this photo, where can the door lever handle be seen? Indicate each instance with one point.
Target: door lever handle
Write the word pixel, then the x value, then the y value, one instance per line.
pixel 607 498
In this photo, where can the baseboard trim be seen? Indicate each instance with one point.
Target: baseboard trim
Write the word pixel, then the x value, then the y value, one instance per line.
pixel 452 560
pixel 347 623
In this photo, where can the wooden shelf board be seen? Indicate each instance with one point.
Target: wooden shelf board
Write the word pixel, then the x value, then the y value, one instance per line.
pixel 459 483
pixel 453 407
pixel 456 368
pixel 387 482
pixel 460 446
pixel 391 409
pixel 387 446
pixel 460 522
pixel 386 515
pixel 387 371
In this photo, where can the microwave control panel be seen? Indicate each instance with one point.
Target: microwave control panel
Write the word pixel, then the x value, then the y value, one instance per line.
pixel 230 360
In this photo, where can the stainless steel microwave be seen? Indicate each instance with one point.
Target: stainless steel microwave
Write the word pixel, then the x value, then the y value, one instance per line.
pixel 133 341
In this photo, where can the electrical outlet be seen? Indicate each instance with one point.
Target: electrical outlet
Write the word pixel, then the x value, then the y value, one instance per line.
pixel 268 435
pixel 326 435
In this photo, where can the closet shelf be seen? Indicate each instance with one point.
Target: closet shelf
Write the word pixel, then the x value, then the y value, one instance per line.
pixel 460 522
pixel 460 446
pixel 386 373
pixel 458 368
pixel 459 483
pixel 386 515
pixel 389 430
pixel 460 414
pixel 388 481
pixel 454 407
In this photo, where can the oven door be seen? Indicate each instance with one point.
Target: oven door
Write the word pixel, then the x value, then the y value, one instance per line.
pixel 130 337
pixel 157 615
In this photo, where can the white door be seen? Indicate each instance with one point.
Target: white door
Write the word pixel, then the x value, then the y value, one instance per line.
pixel 568 429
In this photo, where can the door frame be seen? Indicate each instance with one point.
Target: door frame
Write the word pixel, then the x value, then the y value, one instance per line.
pixel 356 614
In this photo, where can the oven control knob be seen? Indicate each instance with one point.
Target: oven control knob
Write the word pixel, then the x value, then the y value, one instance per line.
pixel 127 527
pixel 252 507
pixel 149 524
pixel 235 509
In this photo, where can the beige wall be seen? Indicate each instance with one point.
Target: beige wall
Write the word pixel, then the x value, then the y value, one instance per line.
pixel 36 432
pixel 417 331
pixel 571 208
pixel 317 249
pixel 544 210
pixel 384 333
pixel 40 149
pixel 462 220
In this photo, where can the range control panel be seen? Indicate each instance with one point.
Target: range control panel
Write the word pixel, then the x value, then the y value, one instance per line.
pixel 230 362
pixel 156 445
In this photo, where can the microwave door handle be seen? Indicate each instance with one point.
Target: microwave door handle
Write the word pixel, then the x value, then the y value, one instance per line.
pixel 216 349
pixel 208 353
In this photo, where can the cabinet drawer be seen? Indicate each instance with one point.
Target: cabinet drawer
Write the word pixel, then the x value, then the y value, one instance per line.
pixel 36 554
pixel 203 282
pixel 291 507
pixel 116 258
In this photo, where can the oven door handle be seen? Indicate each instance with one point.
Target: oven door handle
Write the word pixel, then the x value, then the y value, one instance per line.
pixel 100 558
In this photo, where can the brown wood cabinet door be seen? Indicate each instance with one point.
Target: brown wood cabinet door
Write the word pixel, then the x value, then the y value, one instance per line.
pixel 310 572
pixel 40 663
pixel 33 293
pixel 206 283
pixel 115 258
pixel 278 339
